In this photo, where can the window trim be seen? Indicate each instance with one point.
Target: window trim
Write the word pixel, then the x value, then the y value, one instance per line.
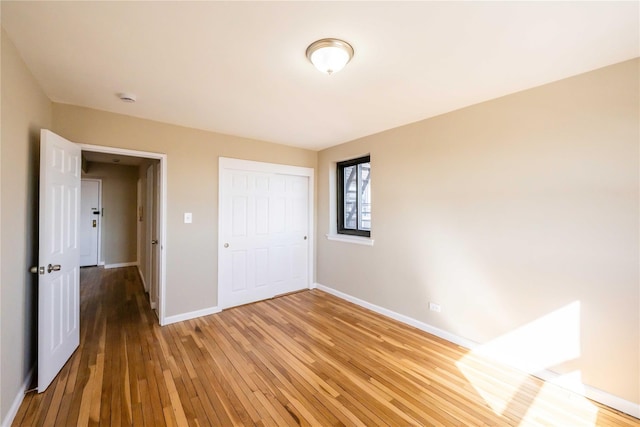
pixel 345 238
pixel 340 166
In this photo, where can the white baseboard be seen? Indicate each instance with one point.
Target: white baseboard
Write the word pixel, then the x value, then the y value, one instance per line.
pixel 121 264
pixel 144 283
pixel 589 392
pixel 13 410
pixel 593 393
pixel 400 317
pixel 191 315
pixel 101 263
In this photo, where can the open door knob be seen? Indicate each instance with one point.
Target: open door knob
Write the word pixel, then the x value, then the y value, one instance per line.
pixel 51 268
pixel 36 270
pixel 154 242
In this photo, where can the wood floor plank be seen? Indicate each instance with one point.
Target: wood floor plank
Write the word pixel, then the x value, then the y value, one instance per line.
pixel 302 359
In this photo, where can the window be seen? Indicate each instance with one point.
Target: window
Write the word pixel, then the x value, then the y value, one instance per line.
pixel 354 197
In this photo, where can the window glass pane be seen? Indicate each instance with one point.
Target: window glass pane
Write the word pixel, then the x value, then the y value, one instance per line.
pixel 351 197
pixel 354 197
pixel 364 172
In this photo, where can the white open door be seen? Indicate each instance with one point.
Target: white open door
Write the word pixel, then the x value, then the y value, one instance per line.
pixel 150 235
pixel 156 238
pixel 59 255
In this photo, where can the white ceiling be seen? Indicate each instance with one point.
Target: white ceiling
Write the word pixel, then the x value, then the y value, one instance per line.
pixel 240 68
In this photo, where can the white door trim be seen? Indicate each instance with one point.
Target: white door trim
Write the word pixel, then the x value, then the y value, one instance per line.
pixel 99 181
pixel 226 163
pixel 162 211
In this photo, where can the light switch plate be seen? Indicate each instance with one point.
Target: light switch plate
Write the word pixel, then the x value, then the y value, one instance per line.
pixel 188 219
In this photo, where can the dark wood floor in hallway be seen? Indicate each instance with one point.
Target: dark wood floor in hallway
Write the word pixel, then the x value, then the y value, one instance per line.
pixel 303 359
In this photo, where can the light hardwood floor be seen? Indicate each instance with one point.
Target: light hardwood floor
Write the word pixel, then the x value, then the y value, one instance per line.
pixel 303 359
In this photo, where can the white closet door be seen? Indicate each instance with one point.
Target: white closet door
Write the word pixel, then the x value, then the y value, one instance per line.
pixel 264 235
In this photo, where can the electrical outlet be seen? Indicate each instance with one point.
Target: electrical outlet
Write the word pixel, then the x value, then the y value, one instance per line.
pixel 435 307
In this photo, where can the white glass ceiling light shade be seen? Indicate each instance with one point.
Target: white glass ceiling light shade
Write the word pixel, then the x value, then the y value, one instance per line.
pixel 329 55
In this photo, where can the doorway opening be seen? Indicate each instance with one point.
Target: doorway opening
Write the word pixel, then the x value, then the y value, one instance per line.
pixel 132 214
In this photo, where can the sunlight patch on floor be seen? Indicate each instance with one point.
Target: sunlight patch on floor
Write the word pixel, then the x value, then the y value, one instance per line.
pixel 575 404
pixel 541 344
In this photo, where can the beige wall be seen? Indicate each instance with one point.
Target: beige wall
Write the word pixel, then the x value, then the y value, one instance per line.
pixel 504 212
pixel 192 161
pixel 119 200
pixel 25 109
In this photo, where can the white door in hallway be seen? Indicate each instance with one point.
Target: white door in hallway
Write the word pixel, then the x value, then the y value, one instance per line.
pixel 148 269
pixel 89 221
pixel 59 255
pixel 264 235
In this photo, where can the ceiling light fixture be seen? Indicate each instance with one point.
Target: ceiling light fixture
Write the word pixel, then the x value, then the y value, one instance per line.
pixel 329 55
